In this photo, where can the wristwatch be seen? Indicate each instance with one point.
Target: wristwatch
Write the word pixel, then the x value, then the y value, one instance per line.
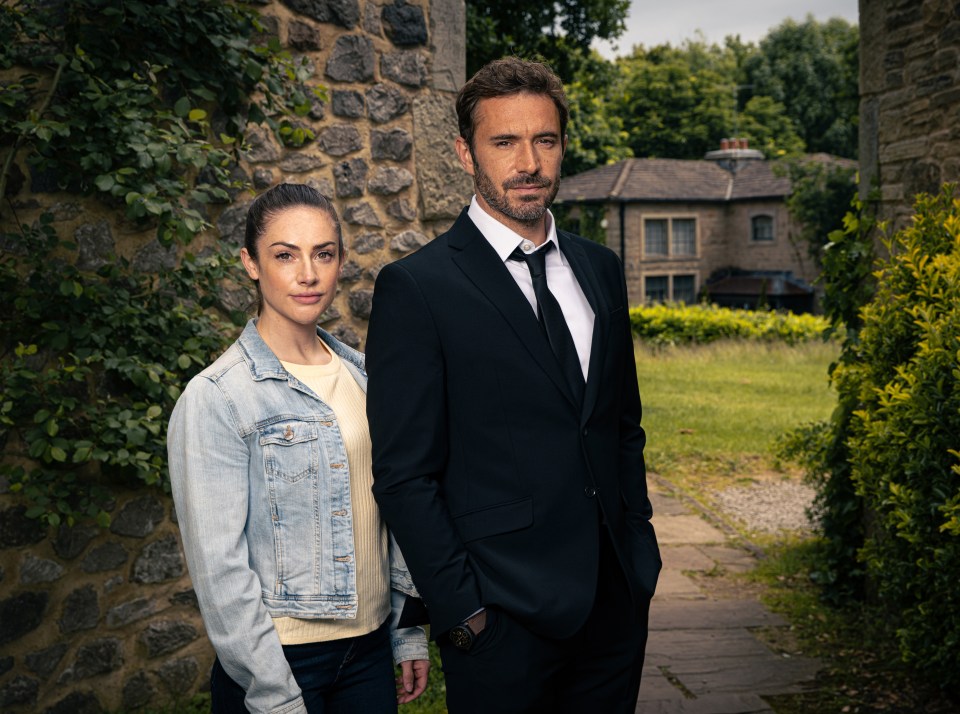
pixel 463 635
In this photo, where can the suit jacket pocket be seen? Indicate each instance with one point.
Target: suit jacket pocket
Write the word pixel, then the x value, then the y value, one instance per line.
pixel 644 554
pixel 495 520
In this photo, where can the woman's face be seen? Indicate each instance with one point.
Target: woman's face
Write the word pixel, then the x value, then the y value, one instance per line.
pixel 298 264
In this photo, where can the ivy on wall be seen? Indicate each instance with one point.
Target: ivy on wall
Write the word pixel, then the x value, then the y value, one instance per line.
pixel 142 103
pixel 144 106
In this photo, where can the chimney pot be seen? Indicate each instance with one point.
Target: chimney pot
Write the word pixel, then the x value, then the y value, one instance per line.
pixel 744 143
pixel 724 144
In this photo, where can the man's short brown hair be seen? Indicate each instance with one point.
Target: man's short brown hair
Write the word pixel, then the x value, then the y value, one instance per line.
pixel 506 76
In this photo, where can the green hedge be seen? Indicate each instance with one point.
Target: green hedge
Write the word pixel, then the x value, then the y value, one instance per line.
pixel 904 436
pixel 684 324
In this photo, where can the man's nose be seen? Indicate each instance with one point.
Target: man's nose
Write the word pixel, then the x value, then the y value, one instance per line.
pixel 528 161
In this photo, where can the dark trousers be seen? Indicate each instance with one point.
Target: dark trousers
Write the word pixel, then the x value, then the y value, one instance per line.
pixel 349 676
pixel 511 670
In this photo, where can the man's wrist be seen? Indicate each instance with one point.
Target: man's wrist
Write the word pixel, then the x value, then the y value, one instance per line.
pixel 463 635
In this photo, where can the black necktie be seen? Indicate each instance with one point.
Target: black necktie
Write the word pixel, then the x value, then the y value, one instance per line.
pixel 552 320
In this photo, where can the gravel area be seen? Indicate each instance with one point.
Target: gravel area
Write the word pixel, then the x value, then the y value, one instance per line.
pixel 769 506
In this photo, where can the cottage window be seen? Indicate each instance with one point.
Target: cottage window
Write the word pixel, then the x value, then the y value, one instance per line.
pixel 669 237
pixel 684 238
pixel 762 228
pixel 655 236
pixel 656 288
pixel 684 289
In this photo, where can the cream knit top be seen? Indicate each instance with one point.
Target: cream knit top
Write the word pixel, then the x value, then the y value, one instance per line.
pixel 334 384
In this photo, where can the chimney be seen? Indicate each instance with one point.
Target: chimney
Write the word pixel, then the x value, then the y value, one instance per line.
pixel 724 144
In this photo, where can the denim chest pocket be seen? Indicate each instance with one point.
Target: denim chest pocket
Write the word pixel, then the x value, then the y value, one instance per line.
pixel 291 449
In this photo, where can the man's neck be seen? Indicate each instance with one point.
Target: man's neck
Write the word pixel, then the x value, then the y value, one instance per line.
pixel 533 231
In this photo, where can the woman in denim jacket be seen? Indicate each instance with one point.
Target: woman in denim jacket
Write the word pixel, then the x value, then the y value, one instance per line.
pixel 299 583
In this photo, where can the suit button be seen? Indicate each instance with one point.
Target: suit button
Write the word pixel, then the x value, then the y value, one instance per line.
pixel 589 492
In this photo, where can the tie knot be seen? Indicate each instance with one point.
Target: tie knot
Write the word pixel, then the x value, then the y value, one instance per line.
pixel 536 260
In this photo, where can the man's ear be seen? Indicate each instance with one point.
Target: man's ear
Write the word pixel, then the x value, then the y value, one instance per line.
pixel 465 155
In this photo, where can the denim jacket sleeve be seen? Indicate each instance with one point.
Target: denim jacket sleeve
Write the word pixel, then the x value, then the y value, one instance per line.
pixel 407 642
pixel 209 478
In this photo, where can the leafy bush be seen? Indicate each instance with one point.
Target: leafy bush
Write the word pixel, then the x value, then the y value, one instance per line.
pixel 680 324
pixel 903 435
pixel 91 365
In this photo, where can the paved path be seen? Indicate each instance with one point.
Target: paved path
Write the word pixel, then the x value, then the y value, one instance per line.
pixel 702 655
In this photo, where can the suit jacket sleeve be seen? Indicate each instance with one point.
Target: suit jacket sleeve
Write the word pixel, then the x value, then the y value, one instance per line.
pixel 406 408
pixel 644 552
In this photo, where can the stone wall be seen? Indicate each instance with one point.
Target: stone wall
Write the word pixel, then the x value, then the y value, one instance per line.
pixel 96 620
pixel 909 100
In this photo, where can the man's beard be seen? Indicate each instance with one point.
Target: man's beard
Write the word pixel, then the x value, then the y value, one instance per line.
pixel 528 211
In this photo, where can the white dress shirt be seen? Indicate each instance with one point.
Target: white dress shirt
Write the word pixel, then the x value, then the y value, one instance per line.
pixel 560 278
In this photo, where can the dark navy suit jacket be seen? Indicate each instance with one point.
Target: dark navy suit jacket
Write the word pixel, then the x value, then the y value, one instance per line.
pixel 493 480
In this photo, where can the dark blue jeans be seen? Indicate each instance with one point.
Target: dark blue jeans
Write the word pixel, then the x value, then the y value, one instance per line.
pixel 348 676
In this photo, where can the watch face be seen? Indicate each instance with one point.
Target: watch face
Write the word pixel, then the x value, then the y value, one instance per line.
pixel 461 637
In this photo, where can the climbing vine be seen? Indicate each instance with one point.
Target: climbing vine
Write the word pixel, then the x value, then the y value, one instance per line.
pixel 144 106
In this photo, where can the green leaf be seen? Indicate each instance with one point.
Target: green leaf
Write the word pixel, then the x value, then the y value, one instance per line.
pixel 197 115
pixel 154 411
pixel 104 182
pixel 58 454
pixel 182 107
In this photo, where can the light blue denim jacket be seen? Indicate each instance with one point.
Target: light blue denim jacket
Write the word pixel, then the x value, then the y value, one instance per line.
pixel 261 485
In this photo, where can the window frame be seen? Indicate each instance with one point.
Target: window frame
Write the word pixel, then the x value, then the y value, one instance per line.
pixel 669 219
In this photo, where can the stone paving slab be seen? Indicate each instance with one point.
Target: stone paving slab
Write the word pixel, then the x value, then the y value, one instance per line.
pixel 685 530
pixel 664 505
pixel 735 560
pixel 765 674
pixel 714 704
pixel 688 557
pixel 670 647
pixel 710 615
pixel 674 584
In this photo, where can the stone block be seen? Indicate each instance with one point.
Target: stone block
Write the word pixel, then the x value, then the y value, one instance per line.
pixel 367 243
pixel 302 36
pixel 352 59
pixel 130 611
pixel 344 13
pixel 39 570
pixel 44 662
pixel 385 103
pixel 159 561
pixel 347 103
pixel 72 540
pixel 166 636
pixel 404 24
pixel 408 241
pixel 390 179
pixel 361 302
pixel 401 209
pixel 350 178
pixel 340 139
pixel 178 675
pixel 21 691
pixel 408 68
pixel 94 658
pixel 394 145
pixel 81 610
pixel 138 518
pixel 137 691
pixel 362 215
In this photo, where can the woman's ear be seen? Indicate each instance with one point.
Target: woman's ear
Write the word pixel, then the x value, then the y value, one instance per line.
pixel 249 264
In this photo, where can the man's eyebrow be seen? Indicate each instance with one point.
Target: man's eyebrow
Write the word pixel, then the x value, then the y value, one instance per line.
pixel 540 135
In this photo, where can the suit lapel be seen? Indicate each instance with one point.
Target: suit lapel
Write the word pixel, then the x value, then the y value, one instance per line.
pixel 585 275
pixel 483 267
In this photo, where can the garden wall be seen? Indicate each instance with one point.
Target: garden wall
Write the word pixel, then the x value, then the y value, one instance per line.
pixel 95 620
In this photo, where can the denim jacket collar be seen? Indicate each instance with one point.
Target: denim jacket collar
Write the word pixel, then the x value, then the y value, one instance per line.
pixel 264 364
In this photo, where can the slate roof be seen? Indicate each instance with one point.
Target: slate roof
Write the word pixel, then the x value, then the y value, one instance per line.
pixel 675 180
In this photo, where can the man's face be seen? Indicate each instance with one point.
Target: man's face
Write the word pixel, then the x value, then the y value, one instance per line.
pixel 515 158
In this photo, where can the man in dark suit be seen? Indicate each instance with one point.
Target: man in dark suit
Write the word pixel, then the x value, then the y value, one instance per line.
pixel 505 419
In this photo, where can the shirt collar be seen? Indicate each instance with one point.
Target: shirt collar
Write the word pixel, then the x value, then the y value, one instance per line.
pixel 502 239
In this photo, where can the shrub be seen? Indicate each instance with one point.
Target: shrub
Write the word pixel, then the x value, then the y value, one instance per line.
pixel 903 435
pixel 680 324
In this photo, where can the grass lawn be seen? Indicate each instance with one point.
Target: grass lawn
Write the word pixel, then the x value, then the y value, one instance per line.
pixel 713 413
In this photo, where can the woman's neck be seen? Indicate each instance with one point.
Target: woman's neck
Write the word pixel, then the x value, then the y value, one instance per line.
pixel 299 345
